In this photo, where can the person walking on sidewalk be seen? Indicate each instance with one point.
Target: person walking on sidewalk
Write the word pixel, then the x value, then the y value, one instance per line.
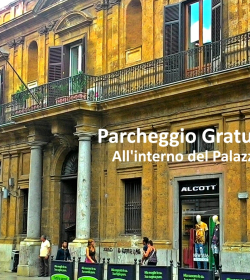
pixel 44 257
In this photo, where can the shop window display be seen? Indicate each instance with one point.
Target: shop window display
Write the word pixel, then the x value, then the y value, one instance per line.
pixel 199 230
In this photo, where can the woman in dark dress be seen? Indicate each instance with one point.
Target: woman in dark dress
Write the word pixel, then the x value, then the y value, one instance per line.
pixel 90 252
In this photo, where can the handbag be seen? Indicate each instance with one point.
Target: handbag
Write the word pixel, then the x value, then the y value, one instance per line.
pixel 152 258
pixel 87 260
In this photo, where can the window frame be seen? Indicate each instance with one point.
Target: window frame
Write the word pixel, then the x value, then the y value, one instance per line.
pixel 198 143
pixel 132 209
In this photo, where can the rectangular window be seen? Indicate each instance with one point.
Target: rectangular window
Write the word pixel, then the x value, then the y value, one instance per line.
pixel 133 206
pixel 75 60
pixel 25 210
pixel 199 145
pixel 192 26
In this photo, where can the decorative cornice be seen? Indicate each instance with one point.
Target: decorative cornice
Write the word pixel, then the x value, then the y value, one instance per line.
pixel 106 5
pixel 11 44
pixel 46 28
pixel 42 30
pixel 101 6
pixel 19 40
pixel 51 25
pixel 114 2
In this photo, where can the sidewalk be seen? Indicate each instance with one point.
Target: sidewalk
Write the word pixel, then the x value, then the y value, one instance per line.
pixel 13 276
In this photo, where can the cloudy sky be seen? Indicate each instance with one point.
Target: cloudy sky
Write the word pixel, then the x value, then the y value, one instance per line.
pixel 5 2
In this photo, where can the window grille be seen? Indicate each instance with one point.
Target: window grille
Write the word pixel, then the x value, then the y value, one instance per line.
pixel 200 145
pixel 25 210
pixel 133 206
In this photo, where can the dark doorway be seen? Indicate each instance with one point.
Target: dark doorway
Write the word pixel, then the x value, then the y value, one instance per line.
pixel 69 197
pixel 68 213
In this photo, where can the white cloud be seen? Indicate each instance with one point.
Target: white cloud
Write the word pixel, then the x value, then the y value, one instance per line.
pixel 195 33
pixel 4 3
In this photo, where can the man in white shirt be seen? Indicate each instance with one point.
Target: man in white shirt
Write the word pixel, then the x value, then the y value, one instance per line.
pixel 44 257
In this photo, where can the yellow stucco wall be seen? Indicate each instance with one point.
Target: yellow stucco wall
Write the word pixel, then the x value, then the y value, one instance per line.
pixel 106 52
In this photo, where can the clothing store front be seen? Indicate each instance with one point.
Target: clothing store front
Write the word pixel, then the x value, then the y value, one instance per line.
pixel 199 201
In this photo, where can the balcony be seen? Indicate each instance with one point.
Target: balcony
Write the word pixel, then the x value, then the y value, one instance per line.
pixel 212 58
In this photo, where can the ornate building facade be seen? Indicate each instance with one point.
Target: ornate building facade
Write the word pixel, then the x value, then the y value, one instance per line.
pixel 157 65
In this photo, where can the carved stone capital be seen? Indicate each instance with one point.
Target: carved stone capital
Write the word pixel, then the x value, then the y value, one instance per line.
pixel 101 6
pixel 51 25
pixel 11 44
pixel 42 30
pixel 19 40
pixel 67 141
pixel 114 2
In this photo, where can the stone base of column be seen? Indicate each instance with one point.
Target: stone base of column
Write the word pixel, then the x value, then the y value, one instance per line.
pixel 77 249
pixel 5 252
pixel 28 257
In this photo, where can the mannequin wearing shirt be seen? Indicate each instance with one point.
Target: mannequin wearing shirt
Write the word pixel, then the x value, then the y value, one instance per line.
pixel 215 242
pixel 201 233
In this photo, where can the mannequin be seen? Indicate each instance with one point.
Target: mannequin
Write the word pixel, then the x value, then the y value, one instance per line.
pixel 201 234
pixel 215 242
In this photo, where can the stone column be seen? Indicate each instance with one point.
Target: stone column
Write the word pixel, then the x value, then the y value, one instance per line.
pixel 35 193
pixel 29 248
pixel 78 246
pixel 83 188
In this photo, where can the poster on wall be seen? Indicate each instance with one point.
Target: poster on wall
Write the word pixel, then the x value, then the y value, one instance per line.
pixel 90 271
pixel 155 272
pixel 195 274
pixel 235 275
pixel 121 272
pixel 62 270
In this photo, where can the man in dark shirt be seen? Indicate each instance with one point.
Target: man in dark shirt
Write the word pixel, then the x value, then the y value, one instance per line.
pixel 63 253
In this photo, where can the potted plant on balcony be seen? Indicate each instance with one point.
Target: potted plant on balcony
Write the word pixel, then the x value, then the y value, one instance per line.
pixel 61 89
pixel 21 95
pixel 78 84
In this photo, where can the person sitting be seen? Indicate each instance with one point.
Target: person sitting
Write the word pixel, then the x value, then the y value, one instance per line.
pixel 63 253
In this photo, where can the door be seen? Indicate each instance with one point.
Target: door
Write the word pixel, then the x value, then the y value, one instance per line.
pixel 68 206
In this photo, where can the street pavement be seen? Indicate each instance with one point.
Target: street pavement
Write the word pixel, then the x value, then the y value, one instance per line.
pixel 13 276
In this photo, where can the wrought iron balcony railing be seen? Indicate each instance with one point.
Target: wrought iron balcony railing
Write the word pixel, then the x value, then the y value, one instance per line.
pixel 203 60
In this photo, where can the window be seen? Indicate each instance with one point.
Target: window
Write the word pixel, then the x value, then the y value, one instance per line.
pixel 33 62
pixel 25 210
pixel 199 145
pixel 134 25
pixel 6 17
pixel 133 206
pixel 67 60
pixel 192 26
pixel 75 60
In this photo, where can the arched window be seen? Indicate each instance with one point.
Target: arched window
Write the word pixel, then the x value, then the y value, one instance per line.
pixel 33 62
pixel 6 17
pixel 134 25
pixel 70 165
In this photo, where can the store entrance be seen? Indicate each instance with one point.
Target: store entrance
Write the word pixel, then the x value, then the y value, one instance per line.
pixel 197 198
